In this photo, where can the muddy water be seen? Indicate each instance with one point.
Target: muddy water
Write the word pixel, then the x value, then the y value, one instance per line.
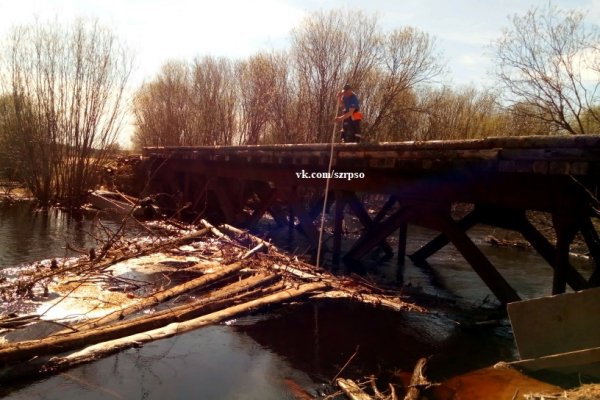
pixel 292 351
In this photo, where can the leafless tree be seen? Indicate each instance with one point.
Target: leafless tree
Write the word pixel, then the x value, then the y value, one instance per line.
pixel 385 69
pixel 328 50
pixel 291 97
pixel 409 60
pixel 162 108
pixel 8 162
pixel 463 113
pixel 188 104
pixel 546 62
pixel 214 101
pixel 265 99
pixel 67 85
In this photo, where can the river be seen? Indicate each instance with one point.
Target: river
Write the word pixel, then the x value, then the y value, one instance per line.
pixel 298 348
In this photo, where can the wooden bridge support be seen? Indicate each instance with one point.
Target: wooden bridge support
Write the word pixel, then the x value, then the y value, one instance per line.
pixel 436 216
pixel 338 226
pixel 593 242
pixel 566 229
pixel 502 177
pixel 557 256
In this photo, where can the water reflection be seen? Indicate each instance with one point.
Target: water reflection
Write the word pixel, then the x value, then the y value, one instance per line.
pixel 210 363
pixel 28 234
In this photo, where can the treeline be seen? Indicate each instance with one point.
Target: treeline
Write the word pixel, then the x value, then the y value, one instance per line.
pixel 289 97
pixel 63 86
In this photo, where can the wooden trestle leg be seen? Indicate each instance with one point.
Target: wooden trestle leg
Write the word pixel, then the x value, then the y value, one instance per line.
pixel 478 261
pixel 593 242
pixel 340 204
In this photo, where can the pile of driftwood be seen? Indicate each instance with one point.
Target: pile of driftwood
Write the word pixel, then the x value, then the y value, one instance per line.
pixel 231 273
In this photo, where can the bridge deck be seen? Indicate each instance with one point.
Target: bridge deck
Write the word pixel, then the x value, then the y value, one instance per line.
pixel 576 155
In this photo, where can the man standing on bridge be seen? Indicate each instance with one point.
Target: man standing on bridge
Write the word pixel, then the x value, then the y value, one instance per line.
pixel 351 116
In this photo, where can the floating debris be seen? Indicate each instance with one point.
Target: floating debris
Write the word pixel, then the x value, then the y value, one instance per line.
pixel 135 291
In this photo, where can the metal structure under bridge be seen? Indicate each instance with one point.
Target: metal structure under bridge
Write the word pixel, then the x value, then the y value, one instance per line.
pixel 502 178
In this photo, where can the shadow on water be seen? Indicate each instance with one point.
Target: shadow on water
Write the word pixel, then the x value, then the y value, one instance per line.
pixel 210 363
pixel 321 337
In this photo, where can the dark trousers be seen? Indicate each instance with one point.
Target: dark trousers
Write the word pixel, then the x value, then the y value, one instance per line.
pixel 350 131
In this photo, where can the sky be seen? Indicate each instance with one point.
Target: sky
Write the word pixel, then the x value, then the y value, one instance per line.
pixel 161 30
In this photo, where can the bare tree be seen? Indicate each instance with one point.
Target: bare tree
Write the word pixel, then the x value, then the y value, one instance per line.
pixel 291 97
pixel 67 85
pixel 544 62
pixel 464 113
pixel 409 59
pixel 163 108
pixel 328 50
pixel 265 99
pixel 8 162
pixel 214 101
pixel 385 70
pixel 257 89
pixel 283 105
pixel 188 104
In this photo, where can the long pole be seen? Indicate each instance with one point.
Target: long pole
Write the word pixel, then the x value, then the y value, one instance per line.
pixel 325 197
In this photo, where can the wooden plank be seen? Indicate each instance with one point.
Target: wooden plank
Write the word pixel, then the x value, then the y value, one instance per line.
pixel 581 362
pixel 556 324
pixel 352 390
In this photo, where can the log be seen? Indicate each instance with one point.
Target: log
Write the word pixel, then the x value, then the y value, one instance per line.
pixel 352 390
pixel 220 299
pixel 395 304
pixel 104 349
pixel 161 296
pixel 102 263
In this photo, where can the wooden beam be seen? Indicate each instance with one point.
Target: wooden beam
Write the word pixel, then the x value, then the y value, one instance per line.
pixel 385 209
pixel 278 214
pixel 478 261
pixel 442 240
pixel 340 204
pixel 365 219
pixel 547 251
pixel 223 196
pixel 266 199
pixel 305 221
pixel 566 228
pixel 402 237
pixel 375 234
pixel 593 242
pixel 317 207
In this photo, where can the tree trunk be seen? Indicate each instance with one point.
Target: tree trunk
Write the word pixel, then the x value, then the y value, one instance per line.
pixel 219 299
pixel 104 349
